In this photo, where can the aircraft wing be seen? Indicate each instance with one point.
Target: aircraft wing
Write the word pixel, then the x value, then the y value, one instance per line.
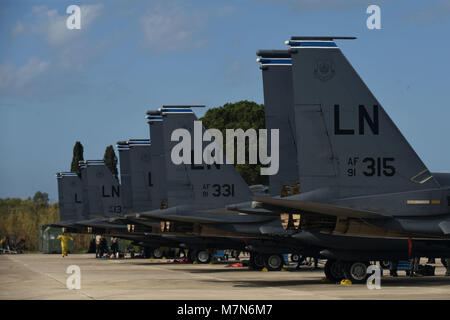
pixel 176 217
pixel 204 216
pixel 257 211
pixel 320 208
pixel 60 225
pixel 100 224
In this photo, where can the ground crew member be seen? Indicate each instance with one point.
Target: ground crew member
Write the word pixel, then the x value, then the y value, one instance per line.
pixel 414 267
pixel 98 239
pixel 103 246
pixel 115 247
pixel 64 243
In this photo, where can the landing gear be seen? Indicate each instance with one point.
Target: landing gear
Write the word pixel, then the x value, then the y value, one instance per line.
pixel 334 270
pixel 157 253
pixel 200 256
pixel 273 262
pixel 295 257
pixel 203 256
pixel 256 261
pixel 356 271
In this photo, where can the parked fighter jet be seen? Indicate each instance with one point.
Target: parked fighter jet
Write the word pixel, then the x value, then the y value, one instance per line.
pixel 358 174
pixel 347 256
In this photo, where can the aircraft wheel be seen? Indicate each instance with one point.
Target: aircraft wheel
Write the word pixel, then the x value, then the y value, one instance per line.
pixel 256 261
pixel 334 270
pixel 295 257
pixel 157 253
pixel 147 253
pixel 273 262
pixel 203 256
pixel 356 271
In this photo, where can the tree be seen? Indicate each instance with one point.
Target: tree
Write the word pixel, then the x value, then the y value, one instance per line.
pixel 41 198
pixel 244 115
pixel 110 160
pixel 77 157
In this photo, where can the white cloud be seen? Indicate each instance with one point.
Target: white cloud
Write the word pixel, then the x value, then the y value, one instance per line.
pixel 169 26
pixel 67 52
pixel 53 25
pixel 13 78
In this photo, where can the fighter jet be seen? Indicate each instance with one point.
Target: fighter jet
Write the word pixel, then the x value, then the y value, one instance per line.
pixel 347 256
pixel 357 173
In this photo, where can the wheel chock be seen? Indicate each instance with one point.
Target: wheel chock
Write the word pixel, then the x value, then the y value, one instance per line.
pixel 325 280
pixel 164 258
pixel 195 262
pixel 152 257
pixel 346 282
pixel 265 269
pixel 283 269
pixel 211 262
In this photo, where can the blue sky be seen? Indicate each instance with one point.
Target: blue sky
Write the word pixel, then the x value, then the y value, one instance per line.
pixel 94 85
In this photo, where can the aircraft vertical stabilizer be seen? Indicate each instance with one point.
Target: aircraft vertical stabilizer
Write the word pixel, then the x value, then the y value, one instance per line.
pixel 276 66
pixel 345 139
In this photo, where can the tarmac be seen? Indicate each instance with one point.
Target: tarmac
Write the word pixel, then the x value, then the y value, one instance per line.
pixel 43 276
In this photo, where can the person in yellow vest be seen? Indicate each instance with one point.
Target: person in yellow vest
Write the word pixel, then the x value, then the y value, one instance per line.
pixel 64 243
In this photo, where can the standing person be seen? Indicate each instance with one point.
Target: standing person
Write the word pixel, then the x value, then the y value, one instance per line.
pixel 64 243
pixel 7 244
pixel 92 245
pixel 115 246
pixel 130 249
pixel 103 246
pixel 414 267
pixel 393 266
pixel 98 239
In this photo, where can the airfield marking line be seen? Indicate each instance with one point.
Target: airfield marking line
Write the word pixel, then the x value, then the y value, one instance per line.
pixel 50 276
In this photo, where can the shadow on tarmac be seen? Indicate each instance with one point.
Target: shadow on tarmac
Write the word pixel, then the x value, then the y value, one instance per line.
pixel 391 282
